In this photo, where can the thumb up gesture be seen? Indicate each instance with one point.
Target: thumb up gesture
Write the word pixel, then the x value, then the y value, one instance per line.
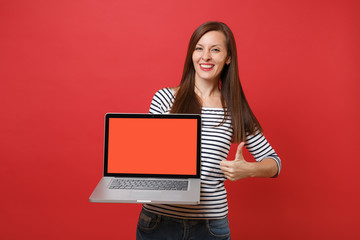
pixel 238 168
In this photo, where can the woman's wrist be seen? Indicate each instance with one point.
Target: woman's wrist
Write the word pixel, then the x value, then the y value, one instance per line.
pixel 265 168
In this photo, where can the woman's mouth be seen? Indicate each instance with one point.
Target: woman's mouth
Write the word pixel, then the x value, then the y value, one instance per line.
pixel 206 66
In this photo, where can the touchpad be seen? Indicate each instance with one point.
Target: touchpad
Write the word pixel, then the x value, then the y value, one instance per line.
pixel 149 195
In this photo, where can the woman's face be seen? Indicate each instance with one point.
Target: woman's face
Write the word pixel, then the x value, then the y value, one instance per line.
pixel 209 56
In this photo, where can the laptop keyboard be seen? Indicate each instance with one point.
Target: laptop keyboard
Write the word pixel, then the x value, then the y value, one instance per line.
pixel 139 184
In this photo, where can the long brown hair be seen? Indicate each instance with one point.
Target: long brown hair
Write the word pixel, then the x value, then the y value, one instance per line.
pixel 232 95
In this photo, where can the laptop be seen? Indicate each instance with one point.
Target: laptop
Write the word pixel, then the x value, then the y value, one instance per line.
pixel 150 158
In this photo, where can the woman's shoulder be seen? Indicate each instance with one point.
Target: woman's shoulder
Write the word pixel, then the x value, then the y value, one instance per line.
pixel 174 89
pixel 167 91
pixel 163 99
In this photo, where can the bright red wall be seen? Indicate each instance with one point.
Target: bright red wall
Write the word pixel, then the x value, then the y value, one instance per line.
pixel 64 64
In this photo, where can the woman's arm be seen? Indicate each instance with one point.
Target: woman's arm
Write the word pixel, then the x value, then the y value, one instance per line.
pixel 267 163
pixel 162 101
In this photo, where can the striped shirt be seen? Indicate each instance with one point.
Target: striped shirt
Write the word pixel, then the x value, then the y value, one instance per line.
pixel 215 146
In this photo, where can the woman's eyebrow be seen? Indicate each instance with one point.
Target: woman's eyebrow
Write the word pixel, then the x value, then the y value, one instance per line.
pixel 215 45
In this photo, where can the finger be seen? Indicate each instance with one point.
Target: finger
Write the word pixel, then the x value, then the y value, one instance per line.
pixel 224 163
pixel 225 166
pixel 239 155
pixel 229 176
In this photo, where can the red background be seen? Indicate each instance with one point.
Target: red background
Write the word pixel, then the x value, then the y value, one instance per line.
pixel 65 61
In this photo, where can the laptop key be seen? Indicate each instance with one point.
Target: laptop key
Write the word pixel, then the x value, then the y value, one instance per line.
pixel 137 184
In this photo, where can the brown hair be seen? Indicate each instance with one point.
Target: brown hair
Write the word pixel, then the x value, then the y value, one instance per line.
pixel 232 95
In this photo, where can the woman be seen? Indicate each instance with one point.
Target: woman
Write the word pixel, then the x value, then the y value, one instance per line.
pixel 210 86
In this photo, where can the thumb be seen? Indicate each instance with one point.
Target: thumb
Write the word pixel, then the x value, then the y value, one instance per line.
pixel 239 155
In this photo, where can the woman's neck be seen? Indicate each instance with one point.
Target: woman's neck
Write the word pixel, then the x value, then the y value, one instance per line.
pixel 205 89
pixel 209 93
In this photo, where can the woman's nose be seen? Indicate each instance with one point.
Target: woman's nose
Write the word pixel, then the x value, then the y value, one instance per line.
pixel 206 55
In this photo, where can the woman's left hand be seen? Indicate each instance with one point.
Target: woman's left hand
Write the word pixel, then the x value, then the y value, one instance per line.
pixel 238 168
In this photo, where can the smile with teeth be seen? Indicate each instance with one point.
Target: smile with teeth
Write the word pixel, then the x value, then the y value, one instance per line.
pixel 206 67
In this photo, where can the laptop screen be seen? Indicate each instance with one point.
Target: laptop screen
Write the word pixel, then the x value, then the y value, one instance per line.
pixel 145 144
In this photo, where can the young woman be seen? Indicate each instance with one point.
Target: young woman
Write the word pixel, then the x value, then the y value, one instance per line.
pixel 210 86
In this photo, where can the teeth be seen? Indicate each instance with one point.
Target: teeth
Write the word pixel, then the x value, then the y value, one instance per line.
pixel 206 66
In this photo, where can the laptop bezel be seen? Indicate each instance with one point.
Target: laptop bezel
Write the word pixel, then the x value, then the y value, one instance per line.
pixel 154 116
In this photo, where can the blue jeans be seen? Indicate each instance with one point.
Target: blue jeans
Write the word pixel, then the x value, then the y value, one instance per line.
pixel 157 227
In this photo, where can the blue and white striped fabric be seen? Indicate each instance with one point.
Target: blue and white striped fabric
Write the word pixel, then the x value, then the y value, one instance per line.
pixel 215 146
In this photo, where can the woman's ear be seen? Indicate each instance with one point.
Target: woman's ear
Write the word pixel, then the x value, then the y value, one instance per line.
pixel 228 61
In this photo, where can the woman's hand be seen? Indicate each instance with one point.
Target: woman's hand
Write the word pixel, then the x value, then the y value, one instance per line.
pixel 240 168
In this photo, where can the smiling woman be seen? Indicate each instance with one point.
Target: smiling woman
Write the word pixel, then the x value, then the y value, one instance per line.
pixel 213 44
pixel 209 58
pixel 210 86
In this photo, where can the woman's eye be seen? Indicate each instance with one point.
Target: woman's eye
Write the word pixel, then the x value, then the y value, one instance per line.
pixel 198 48
pixel 216 50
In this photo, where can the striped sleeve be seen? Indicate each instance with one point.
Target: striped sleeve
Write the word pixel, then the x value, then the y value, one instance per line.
pixel 162 101
pixel 260 148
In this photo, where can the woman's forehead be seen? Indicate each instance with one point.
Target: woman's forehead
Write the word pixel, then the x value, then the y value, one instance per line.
pixel 213 38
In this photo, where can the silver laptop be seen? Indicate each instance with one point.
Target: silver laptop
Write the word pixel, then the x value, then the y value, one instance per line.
pixel 150 158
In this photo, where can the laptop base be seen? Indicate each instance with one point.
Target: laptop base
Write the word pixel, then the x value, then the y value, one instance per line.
pixel 102 194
